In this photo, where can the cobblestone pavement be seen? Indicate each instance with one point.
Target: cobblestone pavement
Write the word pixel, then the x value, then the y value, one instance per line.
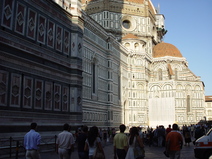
pixel 151 153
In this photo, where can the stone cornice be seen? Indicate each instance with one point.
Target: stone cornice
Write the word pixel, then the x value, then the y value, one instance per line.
pixel 170 59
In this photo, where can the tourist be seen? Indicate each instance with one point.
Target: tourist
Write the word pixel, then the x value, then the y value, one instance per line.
pixel 136 146
pixel 144 137
pixel 31 142
pixel 161 136
pixel 81 143
pixel 174 142
pixel 155 136
pixel 150 137
pixel 120 143
pixel 65 143
pixel 199 132
pixel 105 137
pixel 93 142
pixel 187 136
pixel 169 129
pixel 140 133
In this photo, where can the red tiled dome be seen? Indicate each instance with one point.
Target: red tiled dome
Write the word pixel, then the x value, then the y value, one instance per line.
pixel 166 49
pixel 130 36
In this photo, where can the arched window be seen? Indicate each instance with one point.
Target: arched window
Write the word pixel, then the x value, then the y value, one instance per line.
pixel 176 74
pixel 94 78
pixel 127 45
pixel 160 75
pixel 188 104
pixel 136 46
pixel 119 88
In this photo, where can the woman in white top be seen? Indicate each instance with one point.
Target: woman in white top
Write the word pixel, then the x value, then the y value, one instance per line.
pixel 92 142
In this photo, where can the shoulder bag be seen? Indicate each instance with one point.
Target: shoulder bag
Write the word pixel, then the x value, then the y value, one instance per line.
pixel 139 152
pixel 98 154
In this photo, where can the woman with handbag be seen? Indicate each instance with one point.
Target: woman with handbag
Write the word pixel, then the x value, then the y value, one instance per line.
pixel 93 144
pixel 136 146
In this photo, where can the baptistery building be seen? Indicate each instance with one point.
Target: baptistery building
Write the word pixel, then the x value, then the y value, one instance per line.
pixel 93 62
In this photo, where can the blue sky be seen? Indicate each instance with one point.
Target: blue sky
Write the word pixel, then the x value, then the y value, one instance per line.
pixel 189 25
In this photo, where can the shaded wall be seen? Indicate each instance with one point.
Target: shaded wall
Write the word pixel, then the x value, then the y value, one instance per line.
pixel 40 76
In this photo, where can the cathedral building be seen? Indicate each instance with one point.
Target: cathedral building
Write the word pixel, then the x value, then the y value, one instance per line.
pixel 149 82
pixel 93 62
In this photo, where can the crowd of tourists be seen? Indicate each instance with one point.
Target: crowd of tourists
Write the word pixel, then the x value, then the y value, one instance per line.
pixel 156 137
pixel 127 144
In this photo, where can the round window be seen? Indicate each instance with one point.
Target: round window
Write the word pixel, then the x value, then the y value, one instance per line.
pixel 126 24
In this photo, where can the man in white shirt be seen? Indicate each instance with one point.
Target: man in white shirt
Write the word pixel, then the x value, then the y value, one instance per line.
pixel 65 143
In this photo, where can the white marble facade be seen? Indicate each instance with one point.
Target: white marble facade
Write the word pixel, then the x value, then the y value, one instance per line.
pixel 123 82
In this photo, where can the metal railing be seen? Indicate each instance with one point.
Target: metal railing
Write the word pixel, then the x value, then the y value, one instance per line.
pixel 13 147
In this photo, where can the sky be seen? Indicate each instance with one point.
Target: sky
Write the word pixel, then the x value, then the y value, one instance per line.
pixel 189 25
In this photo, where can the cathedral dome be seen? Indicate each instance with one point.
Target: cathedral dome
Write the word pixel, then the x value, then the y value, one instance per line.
pixel 165 49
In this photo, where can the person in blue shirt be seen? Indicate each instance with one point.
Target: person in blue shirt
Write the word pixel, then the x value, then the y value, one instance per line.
pixel 31 143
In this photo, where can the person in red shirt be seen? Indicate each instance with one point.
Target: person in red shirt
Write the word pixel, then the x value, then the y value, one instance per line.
pixel 174 142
